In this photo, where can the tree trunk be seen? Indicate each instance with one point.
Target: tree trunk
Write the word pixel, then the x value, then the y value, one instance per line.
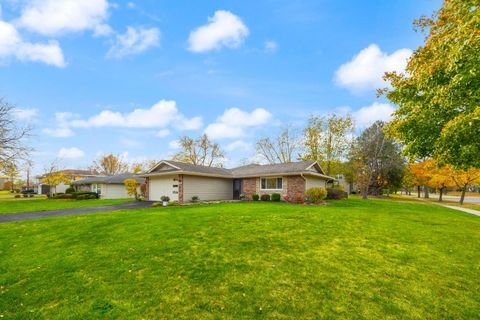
pixel 364 192
pixel 425 190
pixel 418 191
pixel 441 194
pixel 462 197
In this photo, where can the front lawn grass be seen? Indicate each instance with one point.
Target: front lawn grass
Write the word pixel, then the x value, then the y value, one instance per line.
pixel 353 259
pixel 29 205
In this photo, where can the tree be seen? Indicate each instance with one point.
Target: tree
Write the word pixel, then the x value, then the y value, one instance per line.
pixel 53 176
pixel 131 185
pixel 465 178
pixel 143 166
pixel 440 177
pixel 328 141
pixel 438 96
pixel 10 169
pixel 201 151
pixel 110 164
pixel 376 161
pixel 12 135
pixel 421 173
pixel 408 181
pixel 279 149
pixel 28 171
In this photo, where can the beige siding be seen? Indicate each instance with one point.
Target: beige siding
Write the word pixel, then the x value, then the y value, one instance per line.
pixel 163 186
pixel 314 182
pixel 207 188
pixel 114 191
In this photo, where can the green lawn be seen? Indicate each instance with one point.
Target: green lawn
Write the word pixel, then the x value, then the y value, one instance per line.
pixel 29 205
pixel 354 259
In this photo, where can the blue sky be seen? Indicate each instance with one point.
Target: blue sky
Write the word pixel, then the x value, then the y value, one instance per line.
pixel 238 70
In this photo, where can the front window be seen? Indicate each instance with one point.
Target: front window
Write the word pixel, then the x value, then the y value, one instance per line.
pixel 271 183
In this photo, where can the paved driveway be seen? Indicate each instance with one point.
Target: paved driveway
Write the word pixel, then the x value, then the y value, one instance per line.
pixel 68 212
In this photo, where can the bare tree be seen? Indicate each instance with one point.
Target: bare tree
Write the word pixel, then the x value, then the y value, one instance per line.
pixel 110 164
pixel 279 149
pixel 12 135
pixel 201 151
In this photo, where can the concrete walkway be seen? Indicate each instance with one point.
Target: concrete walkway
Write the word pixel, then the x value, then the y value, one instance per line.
pixel 467 210
pixel 74 211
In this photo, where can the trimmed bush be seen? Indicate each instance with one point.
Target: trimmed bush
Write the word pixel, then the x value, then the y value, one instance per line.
pixel 255 197
pixel 276 197
pixel 299 198
pixel 70 190
pixel 316 195
pixel 82 197
pixel 75 195
pixel 265 197
pixel 17 196
pixel 195 199
pixel 335 194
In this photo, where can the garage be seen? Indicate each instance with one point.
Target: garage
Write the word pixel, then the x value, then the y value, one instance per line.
pixel 163 186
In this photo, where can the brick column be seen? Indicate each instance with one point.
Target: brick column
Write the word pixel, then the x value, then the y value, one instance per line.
pixel 295 185
pixel 180 187
pixel 249 187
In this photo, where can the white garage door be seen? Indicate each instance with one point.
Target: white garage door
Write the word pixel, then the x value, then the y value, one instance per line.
pixel 163 186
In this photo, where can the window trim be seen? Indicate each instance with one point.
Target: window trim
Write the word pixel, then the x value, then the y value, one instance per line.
pixel 276 184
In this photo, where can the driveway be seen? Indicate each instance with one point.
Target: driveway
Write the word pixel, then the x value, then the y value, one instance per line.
pixel 74 211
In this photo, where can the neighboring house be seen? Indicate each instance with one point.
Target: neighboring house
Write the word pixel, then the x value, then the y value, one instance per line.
pixel 71 174
pixel 181 181
pixel 109 187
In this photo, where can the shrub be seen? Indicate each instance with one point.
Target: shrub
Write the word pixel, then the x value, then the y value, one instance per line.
pixel 242 196
pixel 82 197
pixel 25 195
pixel 70 190
pixel 83 193
pixel 195 199
pixel 30 195
pixel 17 196
pixel 165 198
pixel 276 197
pixel 335 194
pixel 316 195
pixel 265 197
pixel 255 197
pixel 299 198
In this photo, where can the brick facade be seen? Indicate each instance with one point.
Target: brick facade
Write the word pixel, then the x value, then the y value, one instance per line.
pixel 180 187
pixel 296 185
pixel 249 186
pixel 292 186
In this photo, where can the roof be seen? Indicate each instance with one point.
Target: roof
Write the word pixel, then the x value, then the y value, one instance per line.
pixel 77 173
pixel 116 179
pixel 253 170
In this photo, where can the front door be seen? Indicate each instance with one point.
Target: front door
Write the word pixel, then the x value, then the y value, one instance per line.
pixel 237 188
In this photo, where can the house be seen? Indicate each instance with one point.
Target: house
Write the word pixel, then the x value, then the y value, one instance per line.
pixel 71 174
pixel 181 181
pixel 108 187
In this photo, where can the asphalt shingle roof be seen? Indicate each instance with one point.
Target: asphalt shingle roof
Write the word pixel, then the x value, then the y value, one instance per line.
pixel 116 179
pixel 243 171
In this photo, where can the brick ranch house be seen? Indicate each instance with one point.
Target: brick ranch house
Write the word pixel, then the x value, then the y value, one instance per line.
pixel 181 181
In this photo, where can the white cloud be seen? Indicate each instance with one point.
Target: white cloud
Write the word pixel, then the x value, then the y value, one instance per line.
pixel 365 71
pixel 174 144
pixel 12 45
pixel 54 17
pixel 162 133
pixel 70 153
pixel 131 5
pixel 233 122
pixel 223 29
pixel 134 41
pixel 62 130
pixel 239 145
pixel 366 116
pixel 58 132
pixel 25 114
pixel 189 124
pixel 271 46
